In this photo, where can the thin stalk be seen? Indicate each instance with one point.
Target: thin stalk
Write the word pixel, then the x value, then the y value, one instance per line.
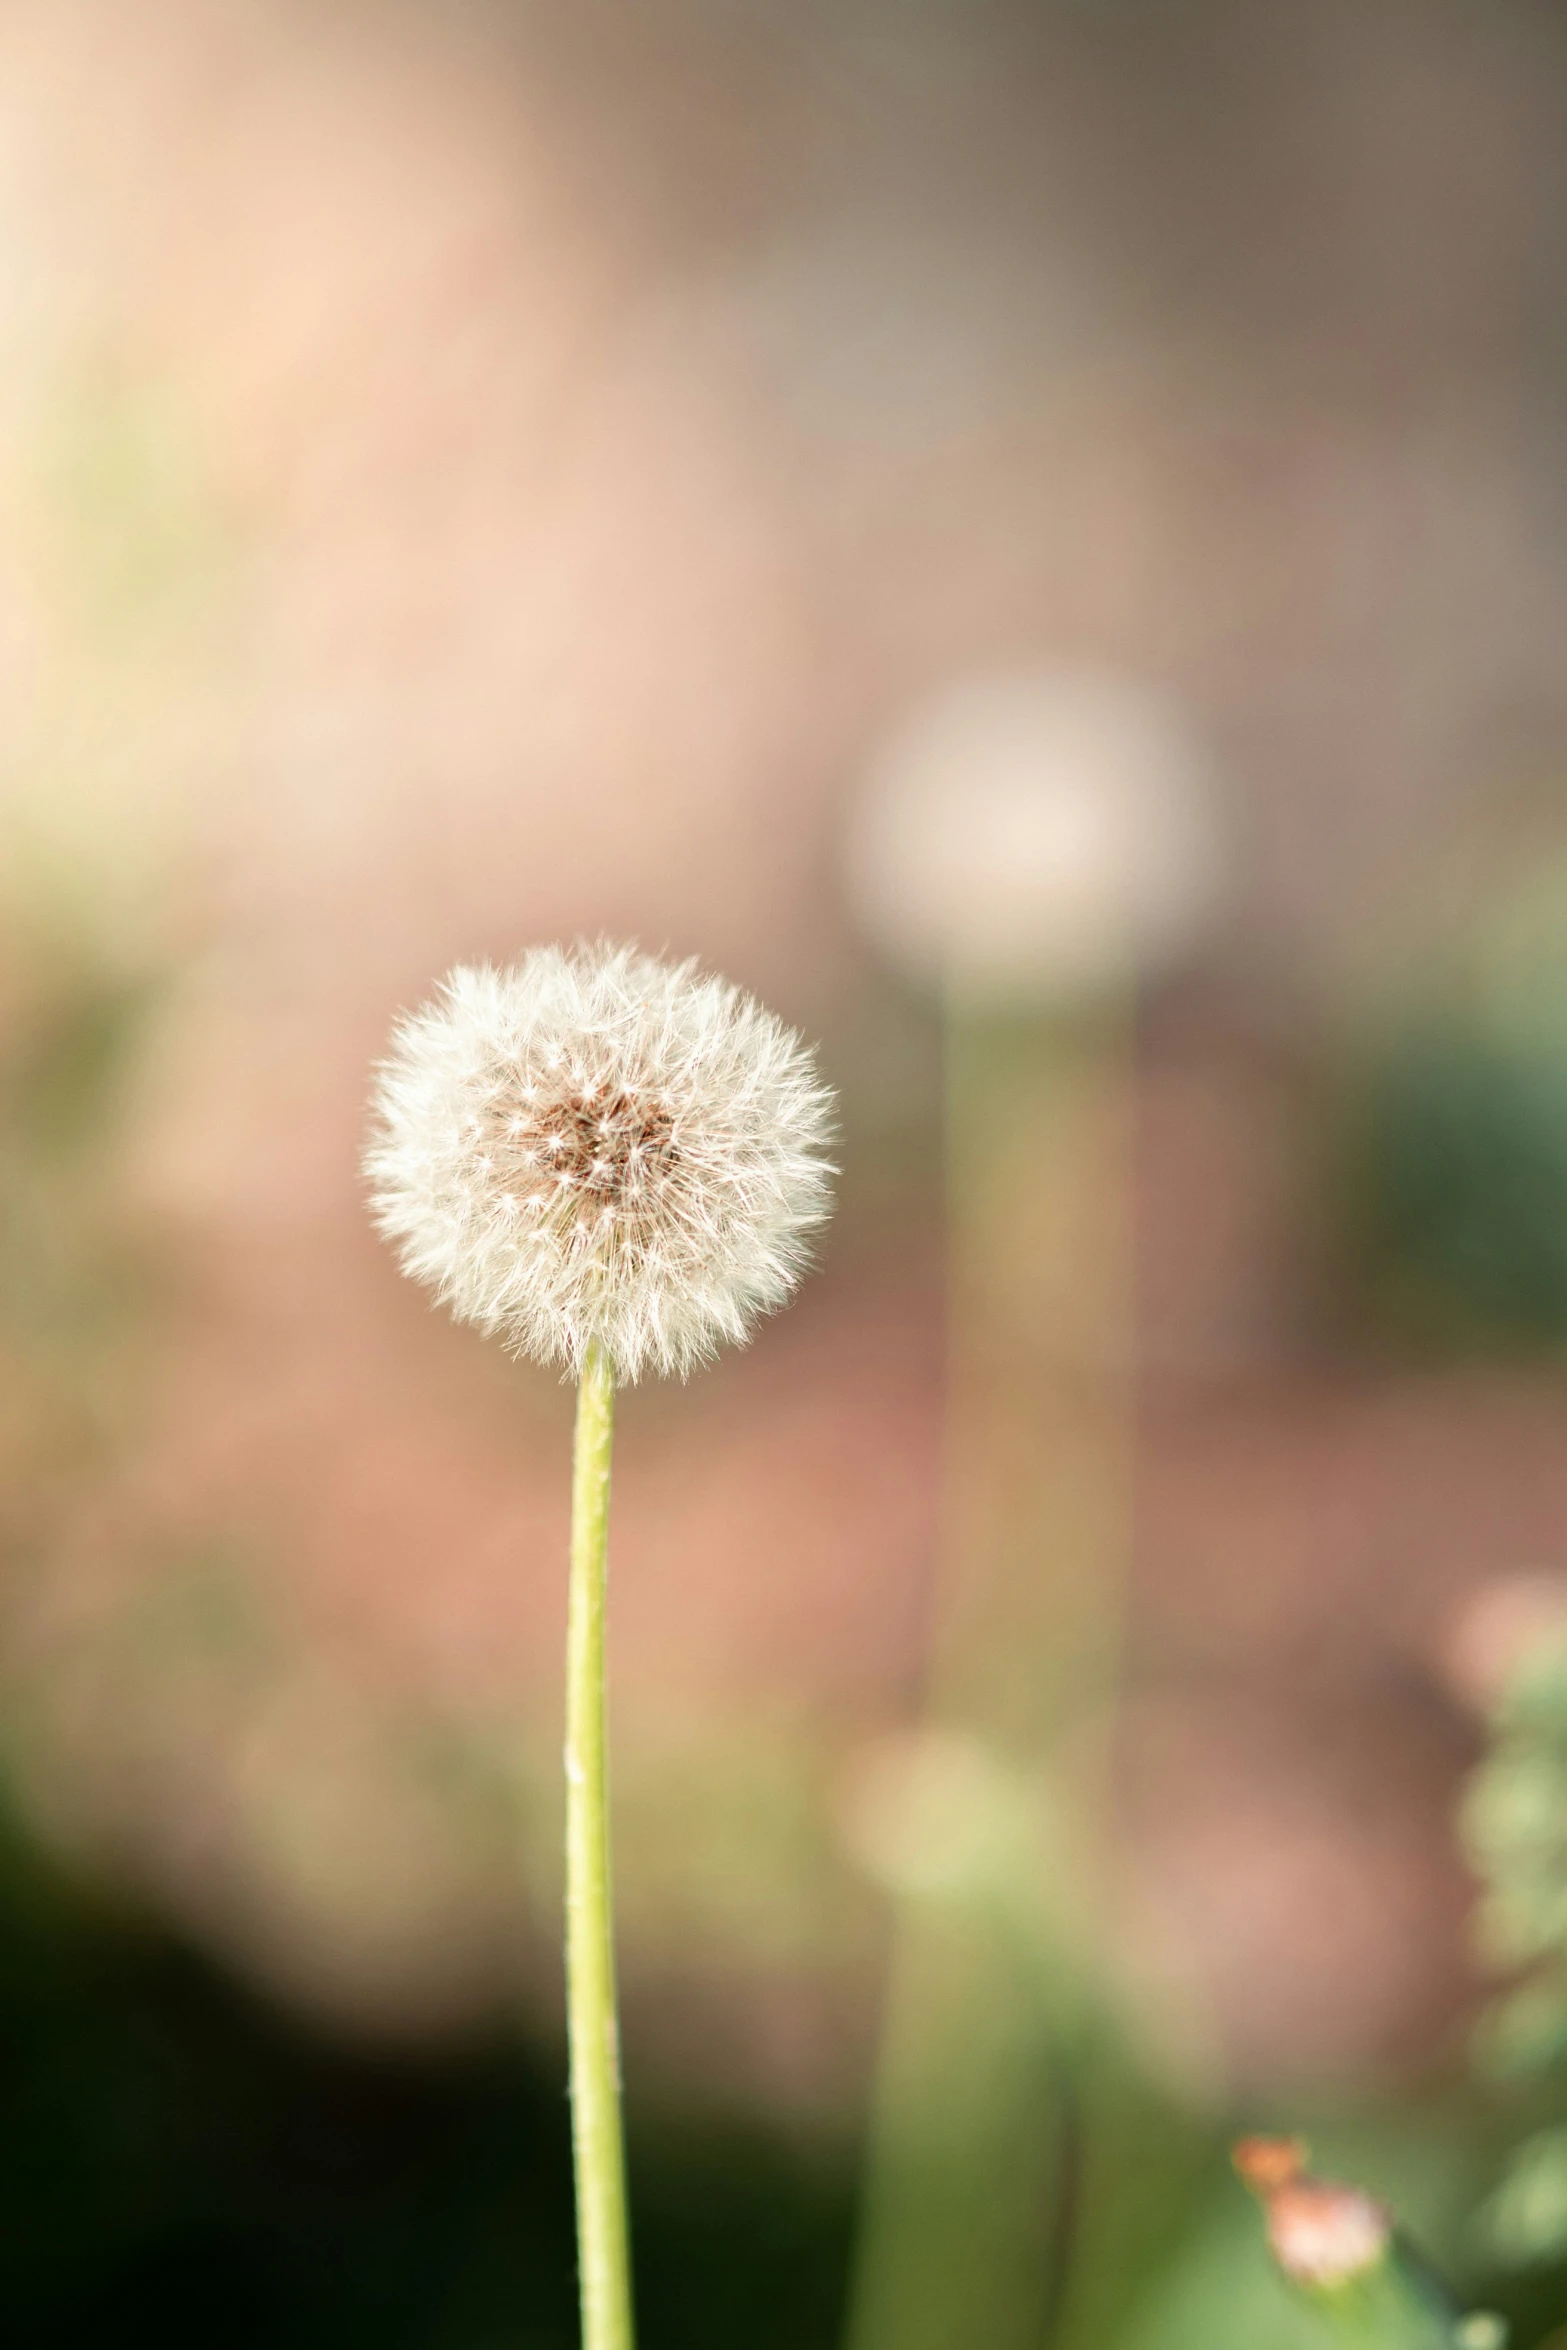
pixel 979 2197
pixel 603 2250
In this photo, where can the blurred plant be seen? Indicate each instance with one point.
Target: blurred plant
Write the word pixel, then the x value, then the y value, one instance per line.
pixel 135 535
pixel 1455 1160
pixel 1029 843
pixel 75 1280
pixel 1340 2251
pixel 1514 1823
pixel 613 1164
pixel 976 2117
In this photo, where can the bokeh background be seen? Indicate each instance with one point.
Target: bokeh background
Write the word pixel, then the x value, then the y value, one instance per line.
pixel 479 473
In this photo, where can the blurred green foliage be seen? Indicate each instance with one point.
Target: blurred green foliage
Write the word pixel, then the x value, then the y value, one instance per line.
pixel 1515 1830
pixel 136 541
pixel 1515 1827
pixel 1463 1176
pixel 1454 1146
pixel 74 1274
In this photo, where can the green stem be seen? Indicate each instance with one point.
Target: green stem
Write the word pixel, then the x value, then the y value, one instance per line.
pixel 603 2251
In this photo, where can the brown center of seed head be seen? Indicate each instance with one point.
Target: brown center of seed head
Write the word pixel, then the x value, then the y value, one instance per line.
pixel 601 1147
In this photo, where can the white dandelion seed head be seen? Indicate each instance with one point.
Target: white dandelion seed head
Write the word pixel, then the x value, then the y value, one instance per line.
pixel 596 1147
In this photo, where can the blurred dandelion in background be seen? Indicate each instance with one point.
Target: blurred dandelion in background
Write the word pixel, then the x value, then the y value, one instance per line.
pixel 1032 845
pixel 1038 836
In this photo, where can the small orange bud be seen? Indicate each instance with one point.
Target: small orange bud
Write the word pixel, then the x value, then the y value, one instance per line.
pixel 1267 2164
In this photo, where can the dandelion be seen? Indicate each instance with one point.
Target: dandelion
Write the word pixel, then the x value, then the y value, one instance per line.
pixel 614 1165
pixel 1036 835
pixel 1030 843
pixel 597 1149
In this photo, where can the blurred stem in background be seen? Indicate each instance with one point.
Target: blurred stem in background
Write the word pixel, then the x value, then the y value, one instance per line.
pixel 603 2251
pixel 975 2173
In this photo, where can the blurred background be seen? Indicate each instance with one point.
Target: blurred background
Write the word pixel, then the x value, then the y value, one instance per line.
pixel 485 472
